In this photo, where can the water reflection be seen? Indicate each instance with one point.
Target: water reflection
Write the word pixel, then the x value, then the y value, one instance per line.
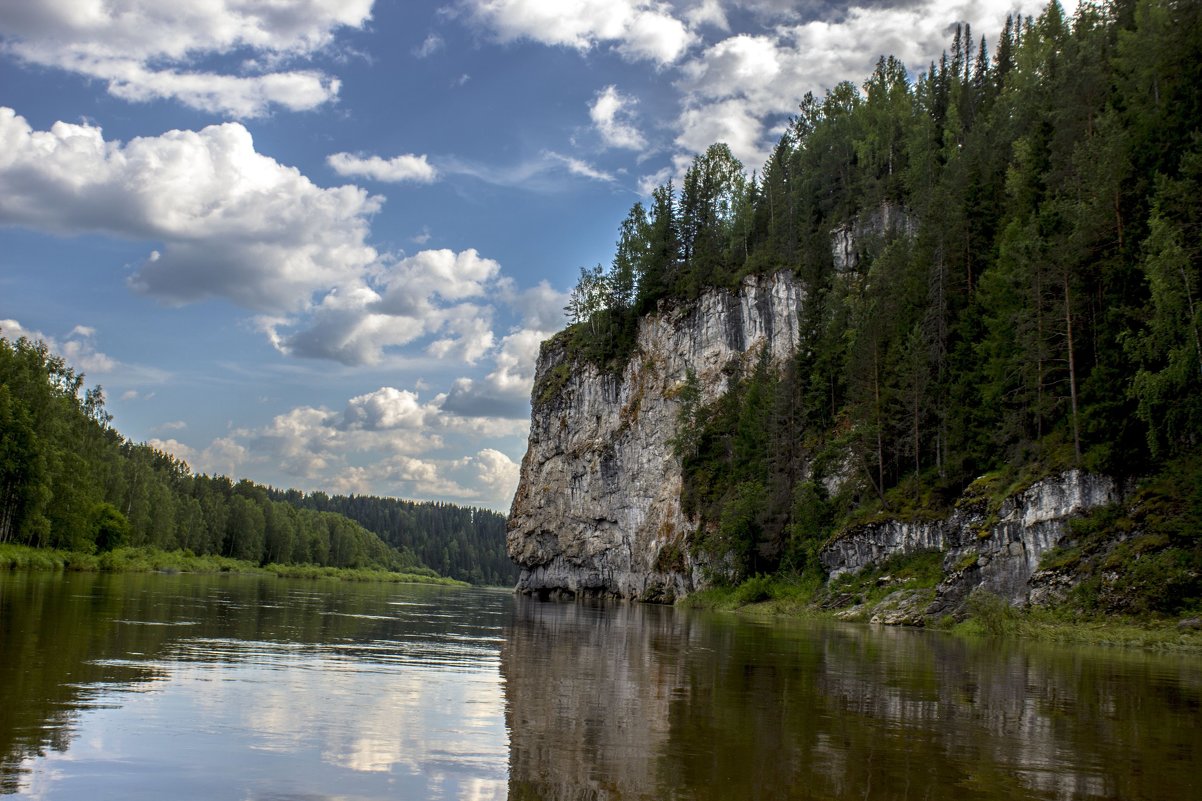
pixel 210 687
pixel 637 702
pixel 219 687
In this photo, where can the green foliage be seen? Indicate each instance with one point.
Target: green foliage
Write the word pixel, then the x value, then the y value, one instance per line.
pixel 992 615
pixel 812 522
pixel 905 571
pixel 464 543
pixel 714 207
pixel 791 595
pixel 966 561
pixel 1143 557
pixel 110 528
pixel 420 576
pixel 739 527
pixel 688 422
pixel 153 560
pixel 25 557
pixel 1060 558
pixel 552 383
pixel 728 456
pixel 753 590
pixel 1168 349
pixel 69 481
pixel 671 558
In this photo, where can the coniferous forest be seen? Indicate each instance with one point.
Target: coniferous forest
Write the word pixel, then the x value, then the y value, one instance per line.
pixel 70 481
pixel 461 542
pixel 1002 261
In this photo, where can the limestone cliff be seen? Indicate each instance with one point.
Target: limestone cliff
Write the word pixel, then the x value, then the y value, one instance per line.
pixel 995 550
pixel 597 509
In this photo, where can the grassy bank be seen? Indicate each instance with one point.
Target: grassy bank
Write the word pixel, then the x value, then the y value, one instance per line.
pixel 358 574
pixel 761 595
pixel 151 560
pixel 1150 634
pixel 988 616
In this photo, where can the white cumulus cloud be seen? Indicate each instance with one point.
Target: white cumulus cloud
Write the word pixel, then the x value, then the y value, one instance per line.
pixel 639 30
pixel 78 348
pixel 175 448
pixel 234 223
pixel 388 441
pixel 494 473
pixel 387 408
pixel 729 121
pixel 223 456
pixel 611 115
pixel 145 49
pixel 505 390
pixel 439 297
pixel 397 169
pixel 540 306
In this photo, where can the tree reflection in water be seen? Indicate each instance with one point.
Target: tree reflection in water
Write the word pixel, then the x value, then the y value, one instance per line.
pixel 272 689
pixel 633 702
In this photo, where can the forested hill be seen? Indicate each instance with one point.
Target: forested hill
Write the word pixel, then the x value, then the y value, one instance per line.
pixel 460 542
pixel 1002 269
pixel 69 480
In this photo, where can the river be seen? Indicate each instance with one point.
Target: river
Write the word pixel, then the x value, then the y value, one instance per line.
pixel 262 689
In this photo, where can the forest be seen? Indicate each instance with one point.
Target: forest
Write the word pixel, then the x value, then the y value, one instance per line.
pixel 460 542
pixel 70 481
pixel 1002 263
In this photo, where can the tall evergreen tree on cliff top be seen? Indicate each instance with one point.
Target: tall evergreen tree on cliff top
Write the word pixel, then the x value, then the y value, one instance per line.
pixel 658 270
pixel 710 197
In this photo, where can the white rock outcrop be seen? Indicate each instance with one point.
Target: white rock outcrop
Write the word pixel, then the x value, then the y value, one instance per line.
pixel 597 509
pixel 999 553
pixel 869 229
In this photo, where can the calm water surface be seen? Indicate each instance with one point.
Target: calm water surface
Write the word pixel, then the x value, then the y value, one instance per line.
pixel 247 688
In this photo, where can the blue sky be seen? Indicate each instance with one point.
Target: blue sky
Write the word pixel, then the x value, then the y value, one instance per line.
pixel 316 244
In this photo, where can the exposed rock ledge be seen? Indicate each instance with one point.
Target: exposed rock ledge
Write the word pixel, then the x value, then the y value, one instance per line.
pixel 999 553
pixel 597 509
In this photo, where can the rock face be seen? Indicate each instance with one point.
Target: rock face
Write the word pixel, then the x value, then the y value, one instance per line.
pixel 597 509
pixel 997 552
pixel 867 232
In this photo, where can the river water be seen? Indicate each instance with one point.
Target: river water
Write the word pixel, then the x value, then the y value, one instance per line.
pixel 262 689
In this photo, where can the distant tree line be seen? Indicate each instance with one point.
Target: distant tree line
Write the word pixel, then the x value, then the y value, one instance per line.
pixel 69 480
pixel 1002 261
pixel 461 542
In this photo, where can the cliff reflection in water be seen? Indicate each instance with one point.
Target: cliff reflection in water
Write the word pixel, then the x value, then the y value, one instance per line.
pixel 634 702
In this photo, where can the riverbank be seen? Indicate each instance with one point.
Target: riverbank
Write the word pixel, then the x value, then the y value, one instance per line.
pixel 153 560
pixel 806 597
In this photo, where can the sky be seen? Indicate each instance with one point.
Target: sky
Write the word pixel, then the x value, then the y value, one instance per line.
pixel 316 244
